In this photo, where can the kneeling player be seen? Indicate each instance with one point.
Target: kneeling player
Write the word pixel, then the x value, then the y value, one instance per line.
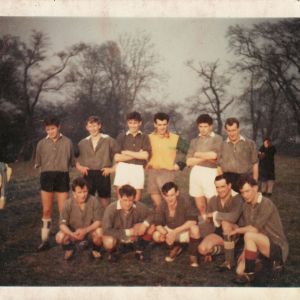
pixel 81 218
pixel 177 224
pixel 263 232
pixel 223 212
pixel 125 225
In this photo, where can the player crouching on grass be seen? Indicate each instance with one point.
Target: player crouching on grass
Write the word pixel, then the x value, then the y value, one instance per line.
pixel 80 219
pixel 176 224
pixel 126 226
pixel 223 213
pixel 263 233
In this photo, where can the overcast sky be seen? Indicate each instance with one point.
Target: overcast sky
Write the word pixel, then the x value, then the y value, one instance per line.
pixel 176 41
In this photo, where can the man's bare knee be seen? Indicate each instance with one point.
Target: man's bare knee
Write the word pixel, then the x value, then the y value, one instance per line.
pixel 156 236
pixel 62 238
pixel 194 232
pixel 109 242
pixel 202 249
pixel 59 238
pixel 249 236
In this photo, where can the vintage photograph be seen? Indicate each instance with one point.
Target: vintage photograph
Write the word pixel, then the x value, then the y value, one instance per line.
pixel 144 152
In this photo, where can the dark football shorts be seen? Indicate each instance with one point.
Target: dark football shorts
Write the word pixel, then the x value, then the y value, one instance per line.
pixel 98 183
pixel 55 181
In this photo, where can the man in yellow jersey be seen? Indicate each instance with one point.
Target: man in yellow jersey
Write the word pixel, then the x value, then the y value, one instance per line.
pixel 162 165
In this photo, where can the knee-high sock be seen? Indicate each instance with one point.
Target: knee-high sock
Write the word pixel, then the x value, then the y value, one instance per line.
pixel 229 249
pixel 46 225
pixel 193 246
pixel 250 258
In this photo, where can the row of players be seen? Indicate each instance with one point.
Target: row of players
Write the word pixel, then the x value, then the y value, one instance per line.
pixel 133 152
pixel 126 222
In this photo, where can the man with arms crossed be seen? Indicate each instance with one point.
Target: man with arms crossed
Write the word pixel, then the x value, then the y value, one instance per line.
pixel 177 223
pixel 81 217
pixel 135 151
pixel 263 233
pixel 238 154
pixel 96 153
pixel 202 157
pixel 162 166
pixel 125 224
pixel 223 213
pixel 54 156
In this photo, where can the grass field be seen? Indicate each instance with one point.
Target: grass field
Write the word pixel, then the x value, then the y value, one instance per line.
pixel 21 265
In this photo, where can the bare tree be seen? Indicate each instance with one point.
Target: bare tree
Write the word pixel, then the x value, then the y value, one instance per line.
pixel 212 96
pixel 271 49
pixel 139 60
pixel 115 76
pixel 36 73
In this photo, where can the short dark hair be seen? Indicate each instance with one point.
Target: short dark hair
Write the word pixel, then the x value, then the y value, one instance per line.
pixel 221 177
pixel 168 186
pixel 134 115
pixel 127 190
pixel 204 118
pixel 161 116
pixel 246 179
pixel 231 121
pixel 79 181
pixel 51 121
pixel 93 119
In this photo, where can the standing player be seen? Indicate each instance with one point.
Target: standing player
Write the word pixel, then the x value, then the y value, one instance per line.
pixel 223 212
pixel 202 157
pixel 96 153
pixel 263 233
pixel 238 154
pixel 162 165
pixel 135 151
pixel 54 157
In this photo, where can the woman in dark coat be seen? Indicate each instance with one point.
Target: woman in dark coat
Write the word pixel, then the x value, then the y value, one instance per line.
pixel 266 167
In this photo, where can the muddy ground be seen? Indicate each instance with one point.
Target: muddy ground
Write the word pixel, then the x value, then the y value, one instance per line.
pixel 21 265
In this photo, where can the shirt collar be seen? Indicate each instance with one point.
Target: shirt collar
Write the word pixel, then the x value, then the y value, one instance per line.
pixel 102 135
pixel 242 138
pixel 128 132
pixel 233 193
pixel 119 205
pixel 259 198
pixel 212 134
pixel 167 134
pixel 60 135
